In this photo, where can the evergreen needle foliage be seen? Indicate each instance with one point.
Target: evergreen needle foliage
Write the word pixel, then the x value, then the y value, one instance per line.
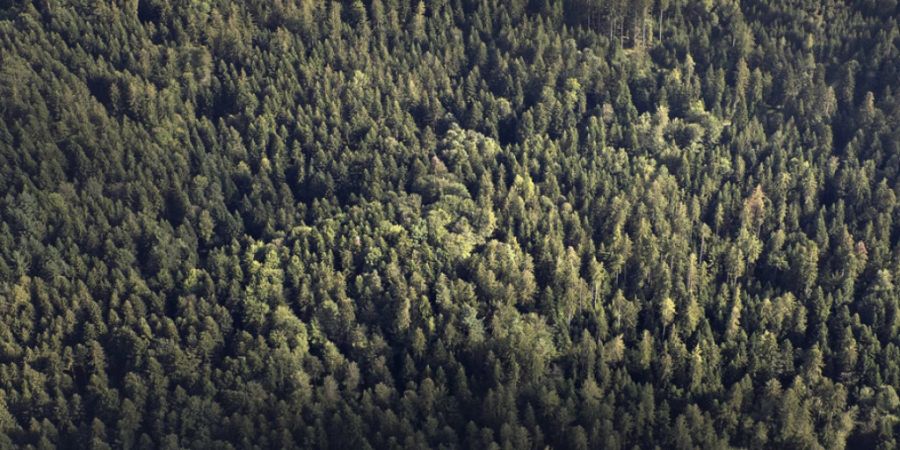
pixel 449 224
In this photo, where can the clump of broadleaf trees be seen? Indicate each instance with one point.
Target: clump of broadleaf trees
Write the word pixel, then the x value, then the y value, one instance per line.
pixel 454 224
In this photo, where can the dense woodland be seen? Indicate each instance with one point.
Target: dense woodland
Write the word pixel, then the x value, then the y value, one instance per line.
pixel 472 224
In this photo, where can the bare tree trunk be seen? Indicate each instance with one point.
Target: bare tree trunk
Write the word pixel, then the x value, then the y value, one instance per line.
pixel 643 32
pixel 611 24
pixel 660 25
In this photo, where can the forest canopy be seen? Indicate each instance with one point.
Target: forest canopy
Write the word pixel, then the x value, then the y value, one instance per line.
pixel 449 224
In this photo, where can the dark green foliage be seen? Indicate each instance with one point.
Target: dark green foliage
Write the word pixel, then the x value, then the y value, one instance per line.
pixel 450 224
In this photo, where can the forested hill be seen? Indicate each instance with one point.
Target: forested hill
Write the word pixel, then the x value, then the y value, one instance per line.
pixel 456 224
